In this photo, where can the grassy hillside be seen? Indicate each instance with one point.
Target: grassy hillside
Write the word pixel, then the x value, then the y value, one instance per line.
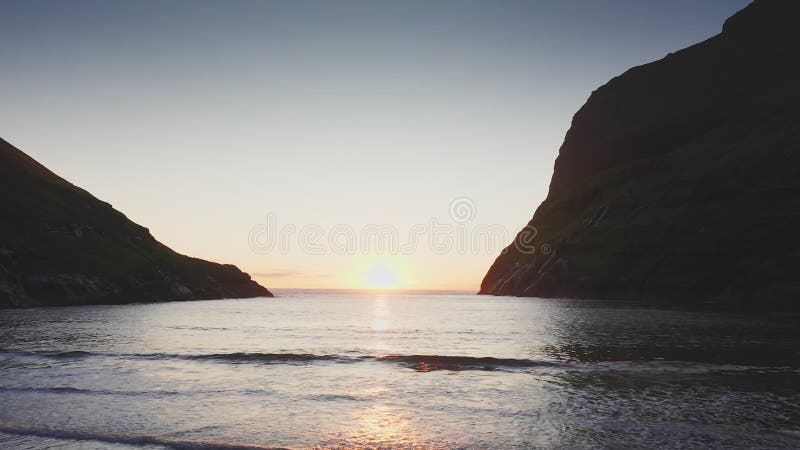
pixel 679 181
pixel 59 245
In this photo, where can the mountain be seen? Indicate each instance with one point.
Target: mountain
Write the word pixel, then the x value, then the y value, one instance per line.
pixel 679 180
pixel 59 245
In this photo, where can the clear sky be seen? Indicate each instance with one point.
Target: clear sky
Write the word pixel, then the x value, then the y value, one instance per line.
pixel 217 123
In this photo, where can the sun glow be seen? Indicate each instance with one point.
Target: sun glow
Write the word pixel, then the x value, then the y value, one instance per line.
pixel 383 274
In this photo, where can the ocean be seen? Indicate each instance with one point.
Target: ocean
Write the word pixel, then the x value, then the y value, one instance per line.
pixel 339 369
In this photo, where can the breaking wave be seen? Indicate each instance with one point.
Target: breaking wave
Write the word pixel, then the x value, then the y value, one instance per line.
pixel 418 362
pixel 422 363
pixel 177 444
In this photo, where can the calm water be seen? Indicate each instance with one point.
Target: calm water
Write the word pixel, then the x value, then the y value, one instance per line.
pixel 396 371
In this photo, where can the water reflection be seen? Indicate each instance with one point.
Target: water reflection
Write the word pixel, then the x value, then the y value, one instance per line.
pixel 381 314
pixel 383 426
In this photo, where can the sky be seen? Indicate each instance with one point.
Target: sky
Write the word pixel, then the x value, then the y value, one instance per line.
pixel 323 144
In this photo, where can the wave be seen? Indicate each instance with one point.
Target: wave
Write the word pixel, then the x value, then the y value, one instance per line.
pixel 70 354
pixel 138 441
pixel 430 363
pixel 422 363
pixel 48 354
pixel 418 362
pixel 235 357
pixel 200 328
pixel 264 357
pixel 73 390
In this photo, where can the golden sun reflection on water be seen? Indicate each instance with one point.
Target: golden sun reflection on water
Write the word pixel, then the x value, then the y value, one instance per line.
pixel 381 314
pixel 383 426
pixel 380 325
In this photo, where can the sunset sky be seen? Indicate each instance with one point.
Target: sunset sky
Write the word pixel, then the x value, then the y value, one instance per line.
pixel 211 122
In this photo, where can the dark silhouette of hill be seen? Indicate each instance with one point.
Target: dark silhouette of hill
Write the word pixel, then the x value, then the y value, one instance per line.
pixel 679 180
pixel 59 245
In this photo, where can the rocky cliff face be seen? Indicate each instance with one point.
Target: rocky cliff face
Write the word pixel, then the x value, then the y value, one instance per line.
pixel 59 245
pixel 679 180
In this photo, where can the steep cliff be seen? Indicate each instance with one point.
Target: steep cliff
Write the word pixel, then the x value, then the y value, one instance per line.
pixel 679 180
pixel 59 245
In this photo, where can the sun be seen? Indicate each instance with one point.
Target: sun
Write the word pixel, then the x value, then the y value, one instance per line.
pixel 382 274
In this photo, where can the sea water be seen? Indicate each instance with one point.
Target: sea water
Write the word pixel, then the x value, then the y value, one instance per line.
pixel 396 370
